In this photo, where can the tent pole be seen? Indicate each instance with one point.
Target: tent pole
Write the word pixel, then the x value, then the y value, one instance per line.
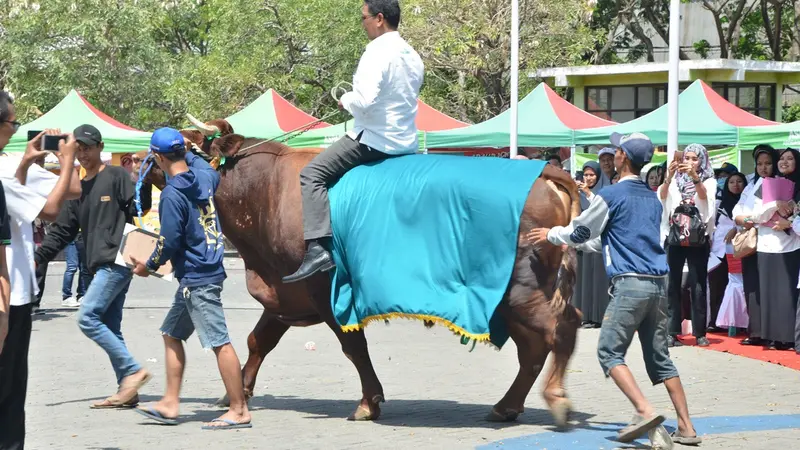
pixel 514 76
pixel 674 64
pixel 572 164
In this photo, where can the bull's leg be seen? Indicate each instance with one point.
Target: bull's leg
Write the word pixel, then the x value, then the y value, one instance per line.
pixel 354 346
pixel 262 340
pixel 532 353
pixel 555 393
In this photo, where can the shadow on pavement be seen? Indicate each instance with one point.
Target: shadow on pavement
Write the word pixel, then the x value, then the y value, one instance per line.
pixel 409 413
pixel 395 413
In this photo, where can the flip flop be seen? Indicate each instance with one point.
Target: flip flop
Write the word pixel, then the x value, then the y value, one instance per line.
pixel 230 425
pixel 151 413
pixel 638 427
pixel 134 387
pixel 678 438
pixel 115 402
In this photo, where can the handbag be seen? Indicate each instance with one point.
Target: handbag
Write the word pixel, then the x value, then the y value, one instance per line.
pixel 744 243
pixel 686 227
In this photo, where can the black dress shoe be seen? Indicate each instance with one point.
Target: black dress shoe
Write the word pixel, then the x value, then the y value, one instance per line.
pixel 316 259
pixel 783 346
pixel 753 341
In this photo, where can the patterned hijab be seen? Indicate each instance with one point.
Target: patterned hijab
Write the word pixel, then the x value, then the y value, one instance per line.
pixel 704 172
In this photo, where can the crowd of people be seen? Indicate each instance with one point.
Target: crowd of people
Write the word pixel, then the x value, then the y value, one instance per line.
pixel 83 212
pixel 646 234
pixel 738 271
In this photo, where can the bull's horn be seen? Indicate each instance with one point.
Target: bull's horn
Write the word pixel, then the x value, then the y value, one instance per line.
pixel 207 130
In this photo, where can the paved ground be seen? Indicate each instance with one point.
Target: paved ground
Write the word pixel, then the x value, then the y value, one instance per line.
pixel 437 391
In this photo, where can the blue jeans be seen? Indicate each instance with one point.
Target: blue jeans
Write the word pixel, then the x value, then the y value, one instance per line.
pixel 637 303
pixel 198 308
pixel 76 261
pixel 100 316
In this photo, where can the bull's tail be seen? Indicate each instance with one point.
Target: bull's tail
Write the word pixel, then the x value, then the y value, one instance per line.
pixel 565 281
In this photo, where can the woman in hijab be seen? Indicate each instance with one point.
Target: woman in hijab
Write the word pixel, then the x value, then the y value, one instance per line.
pixel 689 181
pixel 591 289
pixel 724 231
pixel 779 261
pixel 766 159
pixel 653 175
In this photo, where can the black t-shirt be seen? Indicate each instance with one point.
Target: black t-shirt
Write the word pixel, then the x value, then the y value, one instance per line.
pixel 106 204
pixel 5 226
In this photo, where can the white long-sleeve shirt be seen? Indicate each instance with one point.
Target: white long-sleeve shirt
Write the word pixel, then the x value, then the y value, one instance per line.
pixel 769 240
pixel 383 102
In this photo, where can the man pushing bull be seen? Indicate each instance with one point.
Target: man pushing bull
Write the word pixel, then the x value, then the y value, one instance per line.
pixel 384 105
pixel 624 219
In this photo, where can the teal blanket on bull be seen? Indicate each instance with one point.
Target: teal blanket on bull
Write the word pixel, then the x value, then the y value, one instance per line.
pixel 431 237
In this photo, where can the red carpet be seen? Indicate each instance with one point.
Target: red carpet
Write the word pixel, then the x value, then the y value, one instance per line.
pixel 722 343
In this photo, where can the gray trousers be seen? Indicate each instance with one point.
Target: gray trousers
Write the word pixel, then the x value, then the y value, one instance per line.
pixel 324 170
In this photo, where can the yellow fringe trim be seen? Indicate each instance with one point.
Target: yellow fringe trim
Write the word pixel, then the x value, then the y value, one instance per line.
pixel 395 315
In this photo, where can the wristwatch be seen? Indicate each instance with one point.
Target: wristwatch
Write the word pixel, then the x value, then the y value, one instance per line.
pixel 696 181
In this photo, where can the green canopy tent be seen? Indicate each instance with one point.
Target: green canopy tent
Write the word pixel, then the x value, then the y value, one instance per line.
pixel 73 111
pixel 271 116
pixel 779 136
pixel 704 117
pixel 545 120
pixel 428 119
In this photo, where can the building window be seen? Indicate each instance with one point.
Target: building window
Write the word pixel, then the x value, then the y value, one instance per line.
pixel 757 99
pixel 625 103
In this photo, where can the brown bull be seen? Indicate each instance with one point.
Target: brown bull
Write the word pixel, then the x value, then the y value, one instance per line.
pixel 259 205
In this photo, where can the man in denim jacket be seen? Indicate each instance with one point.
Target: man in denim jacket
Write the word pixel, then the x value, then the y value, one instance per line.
pixel 623 222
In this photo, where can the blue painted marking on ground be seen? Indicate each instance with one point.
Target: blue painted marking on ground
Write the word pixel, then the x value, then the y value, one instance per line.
pixel 602 435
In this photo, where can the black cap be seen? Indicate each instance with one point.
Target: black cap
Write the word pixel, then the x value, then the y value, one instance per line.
pixel 88 135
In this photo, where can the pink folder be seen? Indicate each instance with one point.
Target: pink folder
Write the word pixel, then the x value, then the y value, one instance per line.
pixel 776 189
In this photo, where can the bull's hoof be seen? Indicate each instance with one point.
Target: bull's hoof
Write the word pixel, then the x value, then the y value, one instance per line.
pixel 363 413
pixel 225 402
pixel 561 410
pixel 508 415
pixel 370 411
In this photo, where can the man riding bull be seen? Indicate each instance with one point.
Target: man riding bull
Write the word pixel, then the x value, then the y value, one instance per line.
pixel 384 105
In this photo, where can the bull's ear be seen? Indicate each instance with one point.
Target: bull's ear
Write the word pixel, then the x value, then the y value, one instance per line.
pixel 227 146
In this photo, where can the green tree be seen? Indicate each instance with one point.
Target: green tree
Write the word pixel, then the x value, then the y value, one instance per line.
pixel 300 49
pixel 466 47
pixel 102 48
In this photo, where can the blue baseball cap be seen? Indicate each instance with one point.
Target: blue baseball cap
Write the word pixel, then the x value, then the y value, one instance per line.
pixel 637 147
pixel 166 140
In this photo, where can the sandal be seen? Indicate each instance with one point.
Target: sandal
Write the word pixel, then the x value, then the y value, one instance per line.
pixel 115 402
pixel 638 427
pixel 678 438
pixel 228 425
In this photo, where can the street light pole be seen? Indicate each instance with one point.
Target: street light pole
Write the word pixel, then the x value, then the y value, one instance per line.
pixel 674 65
pixel 514 77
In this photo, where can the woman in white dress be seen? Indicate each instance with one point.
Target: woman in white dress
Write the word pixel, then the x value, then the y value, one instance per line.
pixel 766 159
